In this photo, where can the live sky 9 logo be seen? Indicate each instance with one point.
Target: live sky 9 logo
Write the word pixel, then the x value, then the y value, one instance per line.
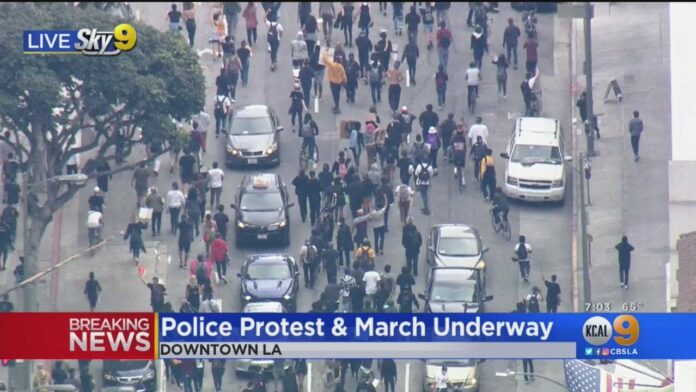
pixel 89 42
pixel 625 330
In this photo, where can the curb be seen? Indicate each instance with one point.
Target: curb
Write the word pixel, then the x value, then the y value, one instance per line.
pixel 574 90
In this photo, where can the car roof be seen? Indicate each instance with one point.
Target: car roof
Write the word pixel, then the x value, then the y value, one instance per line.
pixel 263 307
pixel 261 183
pixel 251 111
pixel 268 258
pixel 457 231
pixel 460 275
pixel 537 131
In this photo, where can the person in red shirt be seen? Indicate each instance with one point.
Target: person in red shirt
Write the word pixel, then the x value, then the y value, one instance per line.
pixel 218 253
pixel 204 273
pixel 444 40
pixel 531 47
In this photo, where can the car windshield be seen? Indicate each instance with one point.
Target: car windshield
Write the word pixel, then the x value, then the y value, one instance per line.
pixel 458 246
pixel 268 271
pixel 126 365
pixel 261 202
pixel 529 154
pixel 451 362
pixel 251 126
pixel 454 291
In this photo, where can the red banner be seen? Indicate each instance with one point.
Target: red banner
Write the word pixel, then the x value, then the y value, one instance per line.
pixel 77 335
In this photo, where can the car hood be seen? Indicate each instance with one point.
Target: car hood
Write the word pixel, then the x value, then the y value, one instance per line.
pixel 267 288
pixel 457 374
pixel 452 307
pixel 536 172
pixel 126 368
pixel 251 142
pixel 457 261
pixel 262 218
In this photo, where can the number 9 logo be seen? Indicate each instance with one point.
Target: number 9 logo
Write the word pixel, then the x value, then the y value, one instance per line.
pixel 627 327
pixel 125 37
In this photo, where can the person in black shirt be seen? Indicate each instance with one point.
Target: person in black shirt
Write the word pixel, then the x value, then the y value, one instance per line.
pixel 300 182
pixel 96 201
pixel 364 48
pixel 134 231
pixel 314 196
pixel 5 305
pixel 310 32
pixel 11 193
pixel 428 119
pixel 244 53
pixel 405 280
pixel 174 17
pixel 352 69
pixel 297 106
pixel 186 169
pixel 553 294
pixel 59 375
pixel 407 300
pixel 92 291
pixel 221 220
pixel 157 293
pixel 5 244
pixel 306 76
pixel 412 21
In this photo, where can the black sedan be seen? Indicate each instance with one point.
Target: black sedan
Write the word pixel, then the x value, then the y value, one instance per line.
pixel 455 290
pixel 140 375
pixel 261 210
pixel 252 137
pixel 270 277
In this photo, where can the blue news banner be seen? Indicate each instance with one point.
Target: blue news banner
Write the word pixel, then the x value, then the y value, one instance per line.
pixel 494 335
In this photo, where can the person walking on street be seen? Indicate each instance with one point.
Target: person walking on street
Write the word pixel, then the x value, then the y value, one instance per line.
pixel 510 41
pixel 582 106
pixel 412 20
pixel 352 75
pixel 219 254
pixel 388 374
pixel 395 76
pixel 134 232
pixel 185 239
pixel 522 251
pixel 301 184
pixel 344 242
pixel 301 372
pixel 553 294
pixel 298 50
pixel 487 175
pixel 412 241
pixel 157 293
pixel 92 291
pixel 531 46
pixel 140 182
pixel 337 78
pixel 404 198
pixel 189 15
pixel 411 54
pixel 309 255
pixel 441 79
pixel 528 369
pixel 252 22
pixel 314 197
pixel 533 301
pixel 217 368
pixel 221 221
pixel 174 18
pixel 624 248
pixel 346 23
pixel 432 140
pixel 501 64
pixel 231 10
pixel 423 172
pixel 479 45
pixel 155 201
pixel 175 201
pixel 216 177
pixel 364 48
pixel 427 119
pixel 375 79
pixel 635 128
pixel 275 33
pixel 444 40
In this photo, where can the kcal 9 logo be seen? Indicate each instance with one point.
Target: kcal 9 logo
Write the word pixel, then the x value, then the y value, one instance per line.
pixel 598 330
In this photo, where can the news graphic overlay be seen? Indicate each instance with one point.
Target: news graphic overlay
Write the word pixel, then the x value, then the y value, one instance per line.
pixel 77 335
pixel 617 336
pixel 87 41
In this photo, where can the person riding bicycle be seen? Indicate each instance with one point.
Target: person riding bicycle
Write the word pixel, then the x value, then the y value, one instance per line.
pixel 94 225
pixel 522 252
pixel 500 204
pixel 308 132
pixel 458 143
pixel 473 78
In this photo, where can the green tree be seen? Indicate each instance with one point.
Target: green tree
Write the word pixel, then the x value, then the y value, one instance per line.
pixel 114 104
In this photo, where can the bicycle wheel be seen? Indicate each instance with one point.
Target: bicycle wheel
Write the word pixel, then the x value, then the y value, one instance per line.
pixel 496 226
pixel 304 159
pixel 507 233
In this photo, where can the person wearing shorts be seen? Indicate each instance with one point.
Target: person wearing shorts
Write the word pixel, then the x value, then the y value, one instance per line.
pixel 185 239
pixel 187 165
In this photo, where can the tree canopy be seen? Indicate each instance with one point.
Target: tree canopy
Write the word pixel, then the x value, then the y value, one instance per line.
pixel 46 100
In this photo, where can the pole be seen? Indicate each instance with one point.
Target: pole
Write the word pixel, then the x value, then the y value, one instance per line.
pixel 588 79
pixel 584 239
pixel 589 200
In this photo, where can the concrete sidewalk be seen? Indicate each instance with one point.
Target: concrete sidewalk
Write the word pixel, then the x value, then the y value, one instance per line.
pixel 631 43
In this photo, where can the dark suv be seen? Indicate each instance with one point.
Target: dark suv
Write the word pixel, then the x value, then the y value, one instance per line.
pixel 270 277
pixel 140 375
pixel 261 210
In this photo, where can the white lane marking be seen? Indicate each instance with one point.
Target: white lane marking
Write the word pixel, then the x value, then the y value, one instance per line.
pixel 407 379
pixel 309 377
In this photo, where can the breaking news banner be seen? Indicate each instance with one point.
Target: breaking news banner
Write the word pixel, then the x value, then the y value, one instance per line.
pixel 317 336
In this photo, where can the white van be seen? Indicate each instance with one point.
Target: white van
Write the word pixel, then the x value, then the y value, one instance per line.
pixel 535 154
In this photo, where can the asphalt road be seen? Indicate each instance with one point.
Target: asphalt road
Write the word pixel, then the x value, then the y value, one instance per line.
pixel 548 228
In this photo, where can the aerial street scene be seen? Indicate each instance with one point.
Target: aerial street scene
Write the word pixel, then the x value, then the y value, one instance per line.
pixel 347 196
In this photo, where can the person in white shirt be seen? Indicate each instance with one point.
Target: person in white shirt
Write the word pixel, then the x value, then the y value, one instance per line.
pixel 94 224
pixel 473 78
pixel 404 197
pixel 175 202
pixel 423 172
pixel 522 253
pixel 478 129
pixel 215 179
pixel 371 280
pixel 203 120
pixel 442 381
pixel 222 105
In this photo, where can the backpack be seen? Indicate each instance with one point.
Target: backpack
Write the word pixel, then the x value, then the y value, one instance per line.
pixel 421 154
pixel 386 285
pixel 201 272
pixel 273 33
pixel 219 107
pixel 364 258
pixel 522 252
pixel 424 174
pixel 533 304
pixel 375 76
pixel 342 169
pixel 404 195
pixel 445 41
pixel 433 140
pixel 311 254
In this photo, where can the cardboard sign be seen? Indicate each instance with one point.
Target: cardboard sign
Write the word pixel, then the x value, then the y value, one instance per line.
pixel 326 51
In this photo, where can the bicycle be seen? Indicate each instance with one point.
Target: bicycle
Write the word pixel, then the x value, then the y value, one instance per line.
pixel 471 99
pixel 305 157
pixel 502 226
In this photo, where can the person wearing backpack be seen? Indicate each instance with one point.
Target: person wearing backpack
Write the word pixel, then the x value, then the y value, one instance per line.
pixel 344 242
pixel 365 255
pixel 411 240
pixel 433 142
pixel 222 106
pixel 275 32
pixel 522 252
pixel 375 79
pixel 386 287
pixel 309 258
pixel 422 172
pixel 404 197
pixel 533 301
pixel 444 40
